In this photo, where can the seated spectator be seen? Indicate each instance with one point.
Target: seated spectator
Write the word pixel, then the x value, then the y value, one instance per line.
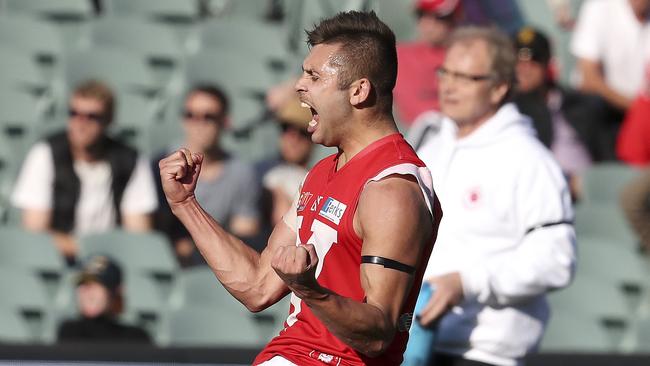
pixel 562 117
pixel 610 42
pixel 416 87
pixel 82 181
pixel 227 188
pixel 100 300
pixel 282 175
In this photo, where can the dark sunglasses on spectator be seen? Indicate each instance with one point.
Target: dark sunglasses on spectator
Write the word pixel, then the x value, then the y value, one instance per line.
pixel 208 117
pixel 289 127
pixel 95 117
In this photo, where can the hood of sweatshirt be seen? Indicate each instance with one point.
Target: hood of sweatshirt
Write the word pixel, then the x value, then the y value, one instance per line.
pixel 506 122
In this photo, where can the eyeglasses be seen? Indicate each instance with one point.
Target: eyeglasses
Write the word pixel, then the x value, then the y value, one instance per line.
pixel 95 117
pixel 207 117
pixel 462 77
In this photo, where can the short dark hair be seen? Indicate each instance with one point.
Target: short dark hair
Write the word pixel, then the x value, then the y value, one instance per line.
pixel 215 92
pixel 367 49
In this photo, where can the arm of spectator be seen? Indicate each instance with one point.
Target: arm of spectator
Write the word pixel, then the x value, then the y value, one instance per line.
pixel 36 220
pixel 245 222
pixel 137 222
pixel 594 82
pixel 244 226
pixel 545 258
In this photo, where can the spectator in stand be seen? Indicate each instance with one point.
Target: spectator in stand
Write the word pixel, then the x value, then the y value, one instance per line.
pixel 282 175
pixel 227 189
pixel 563 118
pixel 416 90
pixel 633 147
pixel 611 42
pixel 82 181
pixel 100 300
pixel 506 239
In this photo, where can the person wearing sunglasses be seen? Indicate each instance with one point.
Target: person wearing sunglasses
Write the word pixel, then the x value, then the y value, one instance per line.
pixel 229 189
pixel 81 181
pixel 507 237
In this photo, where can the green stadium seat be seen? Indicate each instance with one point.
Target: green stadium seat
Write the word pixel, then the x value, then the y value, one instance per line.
pixel 146 253
pixel 574 331
pixel 199 286
pixel 120 69
pixel 23 292
pixel 13 329
pixel 253 38
pixel 157 43
pixel 399 15
pixel 615 265
pixel 164 10
pixel 21 114
pixel 59 9
pixel 603 182
pixel 271 321
pixel 35 37
pixel 19 70
pixel 237 72
pixel 144 305
pixel 605 221
pixel 34 251
pixel 199 326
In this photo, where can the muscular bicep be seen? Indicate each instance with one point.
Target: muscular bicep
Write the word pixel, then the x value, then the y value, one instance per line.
pixel 393 220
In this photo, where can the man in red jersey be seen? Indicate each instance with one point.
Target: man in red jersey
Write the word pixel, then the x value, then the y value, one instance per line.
pixel 353 247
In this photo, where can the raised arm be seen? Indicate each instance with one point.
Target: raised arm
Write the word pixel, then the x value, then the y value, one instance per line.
pixel 393 220
pixel 246 274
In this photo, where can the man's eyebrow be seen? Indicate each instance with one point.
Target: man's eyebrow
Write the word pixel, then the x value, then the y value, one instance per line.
pixel 309 71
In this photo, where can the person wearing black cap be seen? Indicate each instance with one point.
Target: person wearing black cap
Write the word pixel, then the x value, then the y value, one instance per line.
pixel 566 120
pixel 100 300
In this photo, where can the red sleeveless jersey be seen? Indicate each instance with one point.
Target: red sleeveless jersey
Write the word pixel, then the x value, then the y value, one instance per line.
pixel 328 201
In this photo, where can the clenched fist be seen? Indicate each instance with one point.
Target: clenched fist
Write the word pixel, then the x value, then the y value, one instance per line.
pixel 296 266
pixel 179 173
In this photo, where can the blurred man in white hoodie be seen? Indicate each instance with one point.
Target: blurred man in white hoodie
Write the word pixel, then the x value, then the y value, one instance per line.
pixel 507 238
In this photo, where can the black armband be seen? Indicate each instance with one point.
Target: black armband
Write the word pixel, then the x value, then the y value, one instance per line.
pixel 388 263
pixel 548 224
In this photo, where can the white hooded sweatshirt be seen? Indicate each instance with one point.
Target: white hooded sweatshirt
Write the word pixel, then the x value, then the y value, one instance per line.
pixel 506 206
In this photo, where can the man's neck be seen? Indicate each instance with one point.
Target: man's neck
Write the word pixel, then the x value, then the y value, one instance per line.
pixel 466 129
pixel 366 133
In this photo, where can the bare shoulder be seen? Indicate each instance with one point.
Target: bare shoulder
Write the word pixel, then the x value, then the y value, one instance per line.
pixel 393 210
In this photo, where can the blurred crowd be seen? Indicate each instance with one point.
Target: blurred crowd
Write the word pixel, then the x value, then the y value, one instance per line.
pixel 81 179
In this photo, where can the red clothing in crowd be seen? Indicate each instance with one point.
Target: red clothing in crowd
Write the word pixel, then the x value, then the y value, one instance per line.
pixel 416 90
pixel 633 145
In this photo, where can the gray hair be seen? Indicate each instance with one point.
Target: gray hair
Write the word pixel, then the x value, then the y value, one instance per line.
pixel 500 49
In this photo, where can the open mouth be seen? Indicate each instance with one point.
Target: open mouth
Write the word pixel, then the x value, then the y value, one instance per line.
pixel 314 119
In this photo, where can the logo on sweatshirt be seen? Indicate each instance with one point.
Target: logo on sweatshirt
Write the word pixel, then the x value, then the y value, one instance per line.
pixel 333 210
pixel 473 197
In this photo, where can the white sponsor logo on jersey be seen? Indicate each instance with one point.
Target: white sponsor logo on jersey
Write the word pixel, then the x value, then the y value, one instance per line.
pixel 333 210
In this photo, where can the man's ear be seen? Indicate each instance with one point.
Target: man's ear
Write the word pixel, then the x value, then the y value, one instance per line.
pixel 498 93
pixel 360 91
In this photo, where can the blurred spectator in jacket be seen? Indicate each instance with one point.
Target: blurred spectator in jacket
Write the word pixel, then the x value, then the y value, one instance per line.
pixel 82 181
